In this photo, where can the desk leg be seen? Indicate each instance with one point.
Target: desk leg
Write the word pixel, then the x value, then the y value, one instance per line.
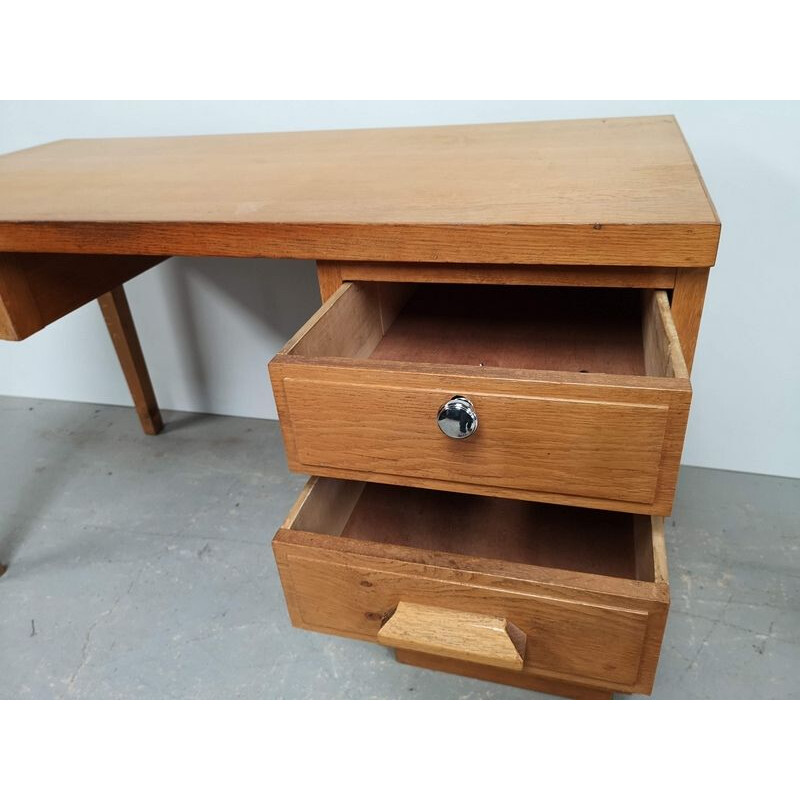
pixel 117 313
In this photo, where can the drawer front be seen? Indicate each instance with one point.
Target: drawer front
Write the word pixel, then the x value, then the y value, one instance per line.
pixel 594 448
pixel 601 446
pixel 579 639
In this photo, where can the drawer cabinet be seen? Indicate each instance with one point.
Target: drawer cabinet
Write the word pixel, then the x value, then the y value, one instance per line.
pixel 581 396
pixel 494 444
pixel 562 593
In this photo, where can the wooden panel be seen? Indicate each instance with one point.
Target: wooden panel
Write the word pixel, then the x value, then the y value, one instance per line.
pixel 514 531
pixel 19 313
pixel 349 327
pixel 687 309
pixel 521 327
pixel 595 449
pixel 456 634
pixel 659 245
pixel 329 277
pixel 37 289
pixel 332 273
pixel 522 680
pixel 329 509
pixel 601 192
pixel 352 324
pixel 662 348
pixel 565 638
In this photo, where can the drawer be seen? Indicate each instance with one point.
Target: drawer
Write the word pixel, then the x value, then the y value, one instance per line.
pixel 566 594
pixel 581 395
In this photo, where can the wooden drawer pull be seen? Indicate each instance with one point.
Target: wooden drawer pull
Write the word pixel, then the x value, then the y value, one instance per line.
pixel 455 634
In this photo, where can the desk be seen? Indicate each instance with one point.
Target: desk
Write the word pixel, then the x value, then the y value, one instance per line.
pixel 612 204
pixel 556 193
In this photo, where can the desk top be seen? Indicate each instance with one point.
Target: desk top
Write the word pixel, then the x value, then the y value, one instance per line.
pixel 608 192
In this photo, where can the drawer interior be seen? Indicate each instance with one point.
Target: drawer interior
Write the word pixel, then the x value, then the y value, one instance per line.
pixel 608 543
pixel 565 329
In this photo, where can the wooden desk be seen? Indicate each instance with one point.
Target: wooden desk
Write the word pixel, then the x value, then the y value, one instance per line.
pixel 612 204
pixel 557 193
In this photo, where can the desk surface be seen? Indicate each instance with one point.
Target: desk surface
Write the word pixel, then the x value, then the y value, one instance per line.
pixel 609 192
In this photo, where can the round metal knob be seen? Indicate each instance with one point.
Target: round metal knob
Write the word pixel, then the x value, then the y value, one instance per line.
pixel 457 418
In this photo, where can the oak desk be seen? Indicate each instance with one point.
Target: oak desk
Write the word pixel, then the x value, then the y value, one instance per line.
pixel 609 207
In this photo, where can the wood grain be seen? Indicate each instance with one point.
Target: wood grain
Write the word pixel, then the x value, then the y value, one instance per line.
pixel 519 327
pixel 119 321
pixel 568 639
pixel 597 630
pixel 515 531
pixel 600 449
pixel 603 192
pixel 329 277
pixel 663 355
pixel 553 560
pixel 454 634
pixel 38 288
pixel 607 441
pixel 688 299
pixel 332 274
pixel 353 325
pixel 522 680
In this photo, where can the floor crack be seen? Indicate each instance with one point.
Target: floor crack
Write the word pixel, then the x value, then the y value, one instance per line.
pixel 710 632
pixel 85 649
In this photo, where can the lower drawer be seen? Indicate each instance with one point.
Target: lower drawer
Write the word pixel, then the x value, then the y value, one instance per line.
pixel 571 594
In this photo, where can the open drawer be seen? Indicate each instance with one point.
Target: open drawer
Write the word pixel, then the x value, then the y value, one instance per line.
pixel 581 396
pixel 567 594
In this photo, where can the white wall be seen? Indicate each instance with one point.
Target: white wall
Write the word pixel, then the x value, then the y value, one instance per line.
pixel 209 326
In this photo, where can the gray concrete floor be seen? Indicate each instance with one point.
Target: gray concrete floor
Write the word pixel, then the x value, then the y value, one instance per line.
pixel 140 567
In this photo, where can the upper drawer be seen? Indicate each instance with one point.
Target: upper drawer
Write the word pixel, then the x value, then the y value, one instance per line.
pixel 581 395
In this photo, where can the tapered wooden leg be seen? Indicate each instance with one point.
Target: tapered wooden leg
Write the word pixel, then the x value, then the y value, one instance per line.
pixel 117 313
pixel 521 680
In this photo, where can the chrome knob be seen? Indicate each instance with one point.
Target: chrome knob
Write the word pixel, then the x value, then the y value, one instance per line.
pixel 457 418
